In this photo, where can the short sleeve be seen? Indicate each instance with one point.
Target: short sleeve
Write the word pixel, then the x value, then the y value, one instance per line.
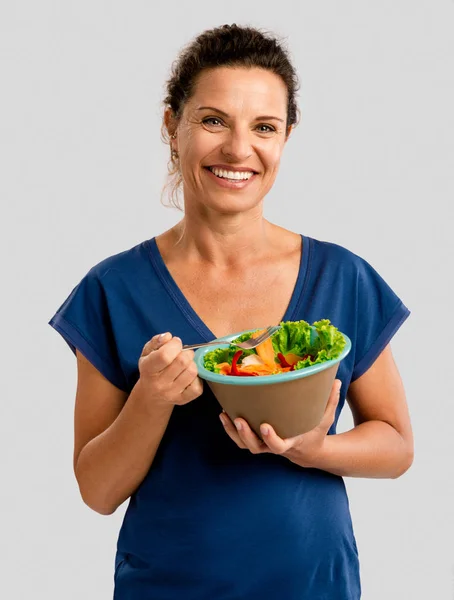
pixel 380 313
pixel 84 321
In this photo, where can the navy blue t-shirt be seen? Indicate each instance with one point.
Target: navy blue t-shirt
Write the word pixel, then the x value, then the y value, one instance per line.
pixel 211 521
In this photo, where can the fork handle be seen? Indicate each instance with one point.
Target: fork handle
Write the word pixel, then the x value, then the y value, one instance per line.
pixel 214 343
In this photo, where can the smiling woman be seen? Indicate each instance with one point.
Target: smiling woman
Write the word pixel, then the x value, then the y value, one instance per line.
pixel 206 96
pixel 215 513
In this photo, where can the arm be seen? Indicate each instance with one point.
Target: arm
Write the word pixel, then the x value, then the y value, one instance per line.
pixel 114 441
pixel 381 443
pixel 116 437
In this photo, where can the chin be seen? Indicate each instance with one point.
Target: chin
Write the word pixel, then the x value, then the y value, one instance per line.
pixel 233 203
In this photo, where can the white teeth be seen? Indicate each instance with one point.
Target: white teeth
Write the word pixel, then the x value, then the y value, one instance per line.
pixel 237 175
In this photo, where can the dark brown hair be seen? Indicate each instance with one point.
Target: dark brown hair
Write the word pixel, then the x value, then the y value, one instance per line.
pixel 225 46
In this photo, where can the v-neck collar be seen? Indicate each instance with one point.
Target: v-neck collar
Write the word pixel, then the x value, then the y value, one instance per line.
pixel 190 314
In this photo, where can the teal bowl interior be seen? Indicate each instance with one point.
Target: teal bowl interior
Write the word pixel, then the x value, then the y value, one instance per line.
pixel 262 379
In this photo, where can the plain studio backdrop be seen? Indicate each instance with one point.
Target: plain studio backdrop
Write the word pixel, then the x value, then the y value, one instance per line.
pixel 370 167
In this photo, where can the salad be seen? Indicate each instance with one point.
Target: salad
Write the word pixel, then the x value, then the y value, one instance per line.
pixel 294 346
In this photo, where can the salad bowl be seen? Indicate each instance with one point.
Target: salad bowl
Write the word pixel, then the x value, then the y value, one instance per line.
pixel 292 400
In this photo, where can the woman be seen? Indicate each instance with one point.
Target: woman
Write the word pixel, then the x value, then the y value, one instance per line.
pixel 214 513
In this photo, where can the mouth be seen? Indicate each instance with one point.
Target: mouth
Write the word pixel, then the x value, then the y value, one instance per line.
pixel 232 176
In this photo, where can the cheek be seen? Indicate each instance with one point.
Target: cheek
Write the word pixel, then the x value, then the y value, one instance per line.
pixel 197 145
pixel 272 156
pixel 193 157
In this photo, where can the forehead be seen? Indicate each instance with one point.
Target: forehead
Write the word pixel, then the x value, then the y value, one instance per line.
pixel 240 89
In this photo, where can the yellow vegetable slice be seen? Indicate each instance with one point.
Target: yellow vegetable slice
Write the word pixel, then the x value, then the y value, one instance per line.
pixel 292 359
pixel 265 350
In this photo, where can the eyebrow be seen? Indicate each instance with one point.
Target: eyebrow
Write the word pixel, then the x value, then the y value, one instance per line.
pixel 262 118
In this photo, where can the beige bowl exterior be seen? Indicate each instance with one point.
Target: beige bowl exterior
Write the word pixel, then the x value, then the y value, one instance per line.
pixel 291 407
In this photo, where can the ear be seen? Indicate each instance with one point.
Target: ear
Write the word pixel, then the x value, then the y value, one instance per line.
pixel 169 121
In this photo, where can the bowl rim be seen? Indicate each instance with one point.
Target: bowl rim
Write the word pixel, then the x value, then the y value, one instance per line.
pixel 262 379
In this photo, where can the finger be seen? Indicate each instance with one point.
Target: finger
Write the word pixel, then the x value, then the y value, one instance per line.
pixel 181 373
pixel 191 391
pixel 156 342
pixel 330 410
pixel 231 430
pixel 249 438
pixel 182 365
pixel 161 358
pixel 276 444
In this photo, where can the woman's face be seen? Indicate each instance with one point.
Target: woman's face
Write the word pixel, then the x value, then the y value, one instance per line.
pixel 231 136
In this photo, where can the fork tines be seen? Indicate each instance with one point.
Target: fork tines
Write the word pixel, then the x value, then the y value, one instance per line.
pixel 269 332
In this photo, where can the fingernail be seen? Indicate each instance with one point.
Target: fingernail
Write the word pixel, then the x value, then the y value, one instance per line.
pixel 265 430
pixel 177 338
pixel 238 425
pixel 162 336
pixel 222 419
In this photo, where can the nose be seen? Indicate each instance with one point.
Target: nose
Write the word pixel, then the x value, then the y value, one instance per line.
pixel 237 145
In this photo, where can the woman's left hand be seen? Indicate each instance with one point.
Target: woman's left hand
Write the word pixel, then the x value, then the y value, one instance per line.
pixel 302 449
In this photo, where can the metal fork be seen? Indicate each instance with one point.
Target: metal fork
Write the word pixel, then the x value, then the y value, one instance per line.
pixel 247 345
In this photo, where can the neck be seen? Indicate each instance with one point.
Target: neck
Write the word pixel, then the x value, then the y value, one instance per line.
pixel 224 243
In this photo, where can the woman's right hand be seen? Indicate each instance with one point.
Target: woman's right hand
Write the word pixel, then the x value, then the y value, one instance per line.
pixel 168 373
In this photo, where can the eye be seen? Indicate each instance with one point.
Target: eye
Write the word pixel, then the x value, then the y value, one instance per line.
pixel 209 121
pixel 269 128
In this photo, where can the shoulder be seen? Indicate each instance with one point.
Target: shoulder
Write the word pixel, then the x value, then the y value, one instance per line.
pixel 125 263
pixel 356 278
pixel 336 255
pixel 345 269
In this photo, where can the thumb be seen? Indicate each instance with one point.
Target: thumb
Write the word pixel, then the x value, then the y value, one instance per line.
pixel 333 401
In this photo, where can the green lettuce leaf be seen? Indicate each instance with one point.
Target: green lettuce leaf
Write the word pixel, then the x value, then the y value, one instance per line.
pixel 329 338
pixel 327 344
pixel 293 336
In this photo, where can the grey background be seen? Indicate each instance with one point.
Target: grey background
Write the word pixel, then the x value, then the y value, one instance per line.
pixel 369 167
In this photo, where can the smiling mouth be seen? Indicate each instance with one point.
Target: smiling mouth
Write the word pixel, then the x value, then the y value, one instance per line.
pixel 231 175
